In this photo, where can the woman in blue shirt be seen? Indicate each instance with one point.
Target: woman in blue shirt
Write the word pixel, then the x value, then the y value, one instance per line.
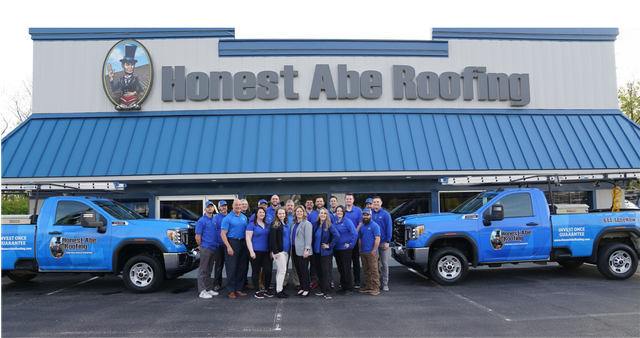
pixel 279 243
pixel 257 236
pixel 325 238
pixel 343 250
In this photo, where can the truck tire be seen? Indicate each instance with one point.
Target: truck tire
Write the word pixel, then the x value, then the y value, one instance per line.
pixel 142 273
pixel 617 261
pixel 448 266
pixel 571 264
pixel 21 277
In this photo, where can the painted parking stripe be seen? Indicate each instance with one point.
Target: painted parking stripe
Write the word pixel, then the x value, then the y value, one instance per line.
pixel 479 306
pixel 86 281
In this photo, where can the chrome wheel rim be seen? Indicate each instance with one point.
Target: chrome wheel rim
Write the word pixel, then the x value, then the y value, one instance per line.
pixel 620 262
pixel 449 267
pixel 141 274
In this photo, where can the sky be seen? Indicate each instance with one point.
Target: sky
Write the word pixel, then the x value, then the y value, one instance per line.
pixel 329 19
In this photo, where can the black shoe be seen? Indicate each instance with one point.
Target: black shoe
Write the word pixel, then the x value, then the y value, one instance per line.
pixel 328 296
pixel 356 285
pixel 281 295
pixel 217 288
pixel 340 292
pixel 284 293
pixel 319 293
pixel 347 292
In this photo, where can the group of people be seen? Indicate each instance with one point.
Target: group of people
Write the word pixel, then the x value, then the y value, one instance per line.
pixel 310 237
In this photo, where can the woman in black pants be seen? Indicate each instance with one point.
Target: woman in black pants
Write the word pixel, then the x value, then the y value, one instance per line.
pixel 257 236
pixel 301 234
pixel 342 251
pixel 325 238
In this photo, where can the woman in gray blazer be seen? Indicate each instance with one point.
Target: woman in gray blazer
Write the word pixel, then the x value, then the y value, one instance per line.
pixel 301 235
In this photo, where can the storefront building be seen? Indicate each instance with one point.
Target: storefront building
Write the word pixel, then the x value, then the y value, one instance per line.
pixel 183 116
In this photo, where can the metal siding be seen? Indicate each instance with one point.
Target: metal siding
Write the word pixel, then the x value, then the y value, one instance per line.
pixel 512 142
pixel 79 147
pixel 151 145
pixel 573 141
pixel 308 143
pixel 265 145
pixel 628 140
pixel 253 139
pixel 178 146
pixel 392 143
pixel 336 144
pixel 536 142
pixel 16 163
pixel 135 148
pixel 405 147
pixel 473 143
pixel 293 153
pixel 378 142
pixel 279 135
pixel 192 147
pixel 611 141
pixel 363 140
pixel 92 152
pixel 62 157
pixel 34 155
pixel 208 146
pixel 351 150
pixel 586 141
pixel 445 140
pixel 223 145
pixel 520 132
pixel 601 146
pixel 460 142
pixel 52 149
pixel 485 143
pixel 494 130
pixel 122 146
pixel 561 141
pixel 106 154
pixel 419 143
pixel 236 144
pixel 433 143
pixel 321 136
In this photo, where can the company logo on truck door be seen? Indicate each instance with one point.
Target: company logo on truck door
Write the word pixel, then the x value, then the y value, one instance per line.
pixel 60 246
pixel 501 238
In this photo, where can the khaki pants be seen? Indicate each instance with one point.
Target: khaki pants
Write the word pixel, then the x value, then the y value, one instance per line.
pixel 370 267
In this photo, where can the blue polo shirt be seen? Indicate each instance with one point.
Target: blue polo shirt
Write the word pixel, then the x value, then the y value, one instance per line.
pixel 235 225
pixel 286 238
pixel 217 222
pixel 383 218
pixel 269 218
pixel 348 234
pixel 271 212
pixel 367 235
pixel 260 238
pixel 312 217
pixel 293 232
pixel 355 215
pixel 206 229
pixel 290 218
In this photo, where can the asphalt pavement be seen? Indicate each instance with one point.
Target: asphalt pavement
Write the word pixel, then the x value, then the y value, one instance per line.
pixel 519 301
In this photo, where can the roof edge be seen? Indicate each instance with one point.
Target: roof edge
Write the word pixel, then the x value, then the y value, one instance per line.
pixel 49 34
pixel 548 34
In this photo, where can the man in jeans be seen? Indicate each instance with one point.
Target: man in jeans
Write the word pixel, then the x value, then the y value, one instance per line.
pixel 207 239
pixel 369 240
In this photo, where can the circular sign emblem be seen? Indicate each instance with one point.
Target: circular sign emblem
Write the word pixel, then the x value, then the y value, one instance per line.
pixel 127 74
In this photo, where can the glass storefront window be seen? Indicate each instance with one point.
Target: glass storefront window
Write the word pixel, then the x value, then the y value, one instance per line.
pixel 139 205
pixel 450 200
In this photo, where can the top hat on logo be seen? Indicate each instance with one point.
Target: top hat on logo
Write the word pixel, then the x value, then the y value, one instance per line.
pixel 129 53
pixel 58 240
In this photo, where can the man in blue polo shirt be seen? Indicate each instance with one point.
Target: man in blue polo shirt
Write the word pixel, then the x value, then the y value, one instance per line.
pixel 217 222
pixel 368 204
pixel 313 216
pixel 232 232
pixel 369 240
pixel 383 218
pixel 275 204
pixel 354 214
pixel 207 239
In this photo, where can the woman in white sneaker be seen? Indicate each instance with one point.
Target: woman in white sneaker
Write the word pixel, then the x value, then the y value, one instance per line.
pixel 279 244
pixel 257 237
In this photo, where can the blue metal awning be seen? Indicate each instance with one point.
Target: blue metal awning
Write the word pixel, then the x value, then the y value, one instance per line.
pixel 318 141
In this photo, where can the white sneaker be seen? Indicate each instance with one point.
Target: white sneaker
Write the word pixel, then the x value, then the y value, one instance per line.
pixel 213 293
pixel 385 288
pixel 205 295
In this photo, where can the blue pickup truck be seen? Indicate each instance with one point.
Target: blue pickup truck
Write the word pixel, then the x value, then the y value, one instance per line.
pixel 97 236
pixel 515 226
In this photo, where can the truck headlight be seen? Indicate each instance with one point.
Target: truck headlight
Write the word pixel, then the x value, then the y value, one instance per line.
pixel 175 235
pixel 416 231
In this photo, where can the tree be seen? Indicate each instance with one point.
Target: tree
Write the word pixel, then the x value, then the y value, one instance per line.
pixel 629 100
pixel 18 106
pixel 15 204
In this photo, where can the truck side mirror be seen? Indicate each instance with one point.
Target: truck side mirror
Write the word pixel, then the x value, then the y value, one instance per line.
pixel 89 220
pixel 495 213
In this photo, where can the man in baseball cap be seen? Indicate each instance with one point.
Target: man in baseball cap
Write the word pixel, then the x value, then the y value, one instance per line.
pixel 217 222
pixel 369 240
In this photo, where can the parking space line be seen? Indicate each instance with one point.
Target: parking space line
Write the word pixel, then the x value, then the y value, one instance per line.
pixel 479 306
pixel 277 321
pixel 88 280
pixel 579 316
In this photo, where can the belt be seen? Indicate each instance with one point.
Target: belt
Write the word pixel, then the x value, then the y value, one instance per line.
pixel 236 239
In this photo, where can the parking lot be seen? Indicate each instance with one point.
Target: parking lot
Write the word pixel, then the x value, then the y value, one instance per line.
pixel 527 300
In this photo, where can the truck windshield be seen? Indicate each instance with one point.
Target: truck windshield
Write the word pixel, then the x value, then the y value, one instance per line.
pixel 474 203
pixel 118 210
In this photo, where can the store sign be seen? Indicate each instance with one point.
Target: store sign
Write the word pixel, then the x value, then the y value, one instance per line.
pixel 473 83
pixel 127 74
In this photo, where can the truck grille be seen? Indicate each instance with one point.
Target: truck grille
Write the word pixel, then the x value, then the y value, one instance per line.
pixel 189 237
pixel 399 233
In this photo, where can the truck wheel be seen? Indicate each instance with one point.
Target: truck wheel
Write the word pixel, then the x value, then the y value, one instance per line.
pixel 142 273
pixel 21 277
pixel 617 261
pixel 571 264
pixel 448 266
